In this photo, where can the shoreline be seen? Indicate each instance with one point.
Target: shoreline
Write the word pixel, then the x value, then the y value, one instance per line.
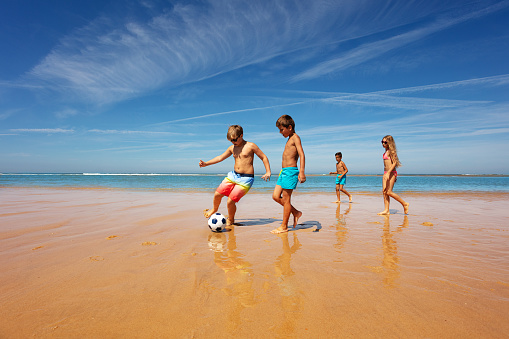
pixel 257 190
pixel 110 263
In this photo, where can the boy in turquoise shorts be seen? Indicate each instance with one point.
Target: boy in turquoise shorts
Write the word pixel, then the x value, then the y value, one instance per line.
pixel 341 171
pixel 290 173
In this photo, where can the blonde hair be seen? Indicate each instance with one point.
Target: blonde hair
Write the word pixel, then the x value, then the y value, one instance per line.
pixel 234 131
pixel 392 148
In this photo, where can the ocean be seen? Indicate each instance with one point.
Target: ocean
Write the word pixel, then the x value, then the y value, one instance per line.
pixel 209 182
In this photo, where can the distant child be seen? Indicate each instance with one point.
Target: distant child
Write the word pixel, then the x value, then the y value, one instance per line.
pixel 341 171
pixel 391 162
pixel 238 182
pixel 290 174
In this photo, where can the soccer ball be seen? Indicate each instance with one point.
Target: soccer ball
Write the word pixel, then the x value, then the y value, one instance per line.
pixel 217 222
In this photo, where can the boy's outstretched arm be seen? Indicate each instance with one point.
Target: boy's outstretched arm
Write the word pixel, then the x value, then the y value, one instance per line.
pixel 300 151
pixel 217 159
pixel 266 163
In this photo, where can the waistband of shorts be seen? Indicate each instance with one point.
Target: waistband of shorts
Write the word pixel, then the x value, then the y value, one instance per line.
pixel 244 174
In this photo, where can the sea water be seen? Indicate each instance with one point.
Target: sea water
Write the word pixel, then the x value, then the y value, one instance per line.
pixel 209 182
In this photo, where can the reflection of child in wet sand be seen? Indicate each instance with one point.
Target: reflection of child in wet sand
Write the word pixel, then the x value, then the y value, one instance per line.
pixel 341 171
pixel 238 182
pixel 391 162
pixel 290 174
pixel 291 296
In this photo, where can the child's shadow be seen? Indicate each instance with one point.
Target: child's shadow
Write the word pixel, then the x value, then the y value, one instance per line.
pixel 307 225
pixel 256 222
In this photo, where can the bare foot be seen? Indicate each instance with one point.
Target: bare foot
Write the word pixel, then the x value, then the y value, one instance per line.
pixel 405 207
pixel 279 230
pixel 229 222
pixel 384 213
pixel 207 213
pixel 296 218
pixel 337 202
pixel 350 200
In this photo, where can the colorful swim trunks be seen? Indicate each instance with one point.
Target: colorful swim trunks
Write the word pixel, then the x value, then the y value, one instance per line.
pixel 342 181
pixel 288 178
pixel 236 185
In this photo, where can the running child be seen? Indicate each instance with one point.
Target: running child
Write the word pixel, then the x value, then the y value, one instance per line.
pixel 290 174
pixel 238 182
pixel 341 171
pixel 391 162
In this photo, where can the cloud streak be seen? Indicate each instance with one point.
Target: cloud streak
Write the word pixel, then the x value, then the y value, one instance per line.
pixel 378 98
pixel 373 50
pixel 109 61
pixel 42 130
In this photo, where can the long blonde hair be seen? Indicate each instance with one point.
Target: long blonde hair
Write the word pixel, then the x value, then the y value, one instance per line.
pixel 392 148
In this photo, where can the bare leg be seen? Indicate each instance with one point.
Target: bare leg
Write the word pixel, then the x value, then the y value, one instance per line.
pixel 388 193
pixel 385 188
pixel 344 191
pixel 277 196
pixel 338 194
pixel 232 208
pixel 283 197
pixel 386 204
pixel 217 201
pixel 401 201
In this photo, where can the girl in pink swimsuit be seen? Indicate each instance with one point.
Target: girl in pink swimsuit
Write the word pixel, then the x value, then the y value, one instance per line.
pixel 391 162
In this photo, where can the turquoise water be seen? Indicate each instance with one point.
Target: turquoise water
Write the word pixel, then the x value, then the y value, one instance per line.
pixel 208 182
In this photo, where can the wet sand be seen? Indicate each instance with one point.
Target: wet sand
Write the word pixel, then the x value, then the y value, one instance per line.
pixel 112 263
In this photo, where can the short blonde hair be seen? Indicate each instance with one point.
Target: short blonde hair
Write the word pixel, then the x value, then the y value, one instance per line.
pixel 234 131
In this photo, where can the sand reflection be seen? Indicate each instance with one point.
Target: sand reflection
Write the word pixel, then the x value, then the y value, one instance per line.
pixel 238 272
pixel 390 260
pixel 291 296
pixel 341 229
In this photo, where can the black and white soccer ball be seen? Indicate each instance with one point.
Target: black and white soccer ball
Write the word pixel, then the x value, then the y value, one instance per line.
pixel 217 222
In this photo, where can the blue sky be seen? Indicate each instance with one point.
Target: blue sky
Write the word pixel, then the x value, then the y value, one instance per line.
pixel 152 86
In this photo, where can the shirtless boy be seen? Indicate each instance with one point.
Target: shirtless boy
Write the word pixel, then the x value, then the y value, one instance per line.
pixel 238 182
pixel 290 174
pixel 341 171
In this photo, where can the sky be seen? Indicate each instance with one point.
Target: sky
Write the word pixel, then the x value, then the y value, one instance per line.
pixel 102 86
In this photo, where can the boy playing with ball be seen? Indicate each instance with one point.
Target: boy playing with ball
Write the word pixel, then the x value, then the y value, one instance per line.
pixel 238 182
pixel 290 174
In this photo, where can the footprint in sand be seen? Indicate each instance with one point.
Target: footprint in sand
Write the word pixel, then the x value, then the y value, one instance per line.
pixel 36 248
pixel 427 224
pixel 148 243
pixel 96 258
pixel 111 237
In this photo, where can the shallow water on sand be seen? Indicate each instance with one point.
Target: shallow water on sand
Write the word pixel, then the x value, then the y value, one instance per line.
pixel 103 263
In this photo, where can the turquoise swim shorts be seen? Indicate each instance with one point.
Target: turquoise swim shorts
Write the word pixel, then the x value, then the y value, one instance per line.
pixel 288 178
pixel 342 181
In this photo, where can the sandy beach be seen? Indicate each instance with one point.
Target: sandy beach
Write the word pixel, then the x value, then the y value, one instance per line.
pixel 98 263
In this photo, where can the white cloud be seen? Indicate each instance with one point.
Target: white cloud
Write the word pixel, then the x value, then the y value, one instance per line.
pixel 375 49
pixel 42 130
pixel 128 132
pixel 116 59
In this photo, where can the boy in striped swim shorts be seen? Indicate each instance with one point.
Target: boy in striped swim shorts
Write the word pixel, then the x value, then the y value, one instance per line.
pixel 237 182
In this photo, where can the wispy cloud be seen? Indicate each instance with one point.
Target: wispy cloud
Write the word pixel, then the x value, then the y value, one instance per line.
pixel 129 132
pixel 373 50
pixel 378 98
pixel 42 130
pixel 112 60
pixel 233 112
